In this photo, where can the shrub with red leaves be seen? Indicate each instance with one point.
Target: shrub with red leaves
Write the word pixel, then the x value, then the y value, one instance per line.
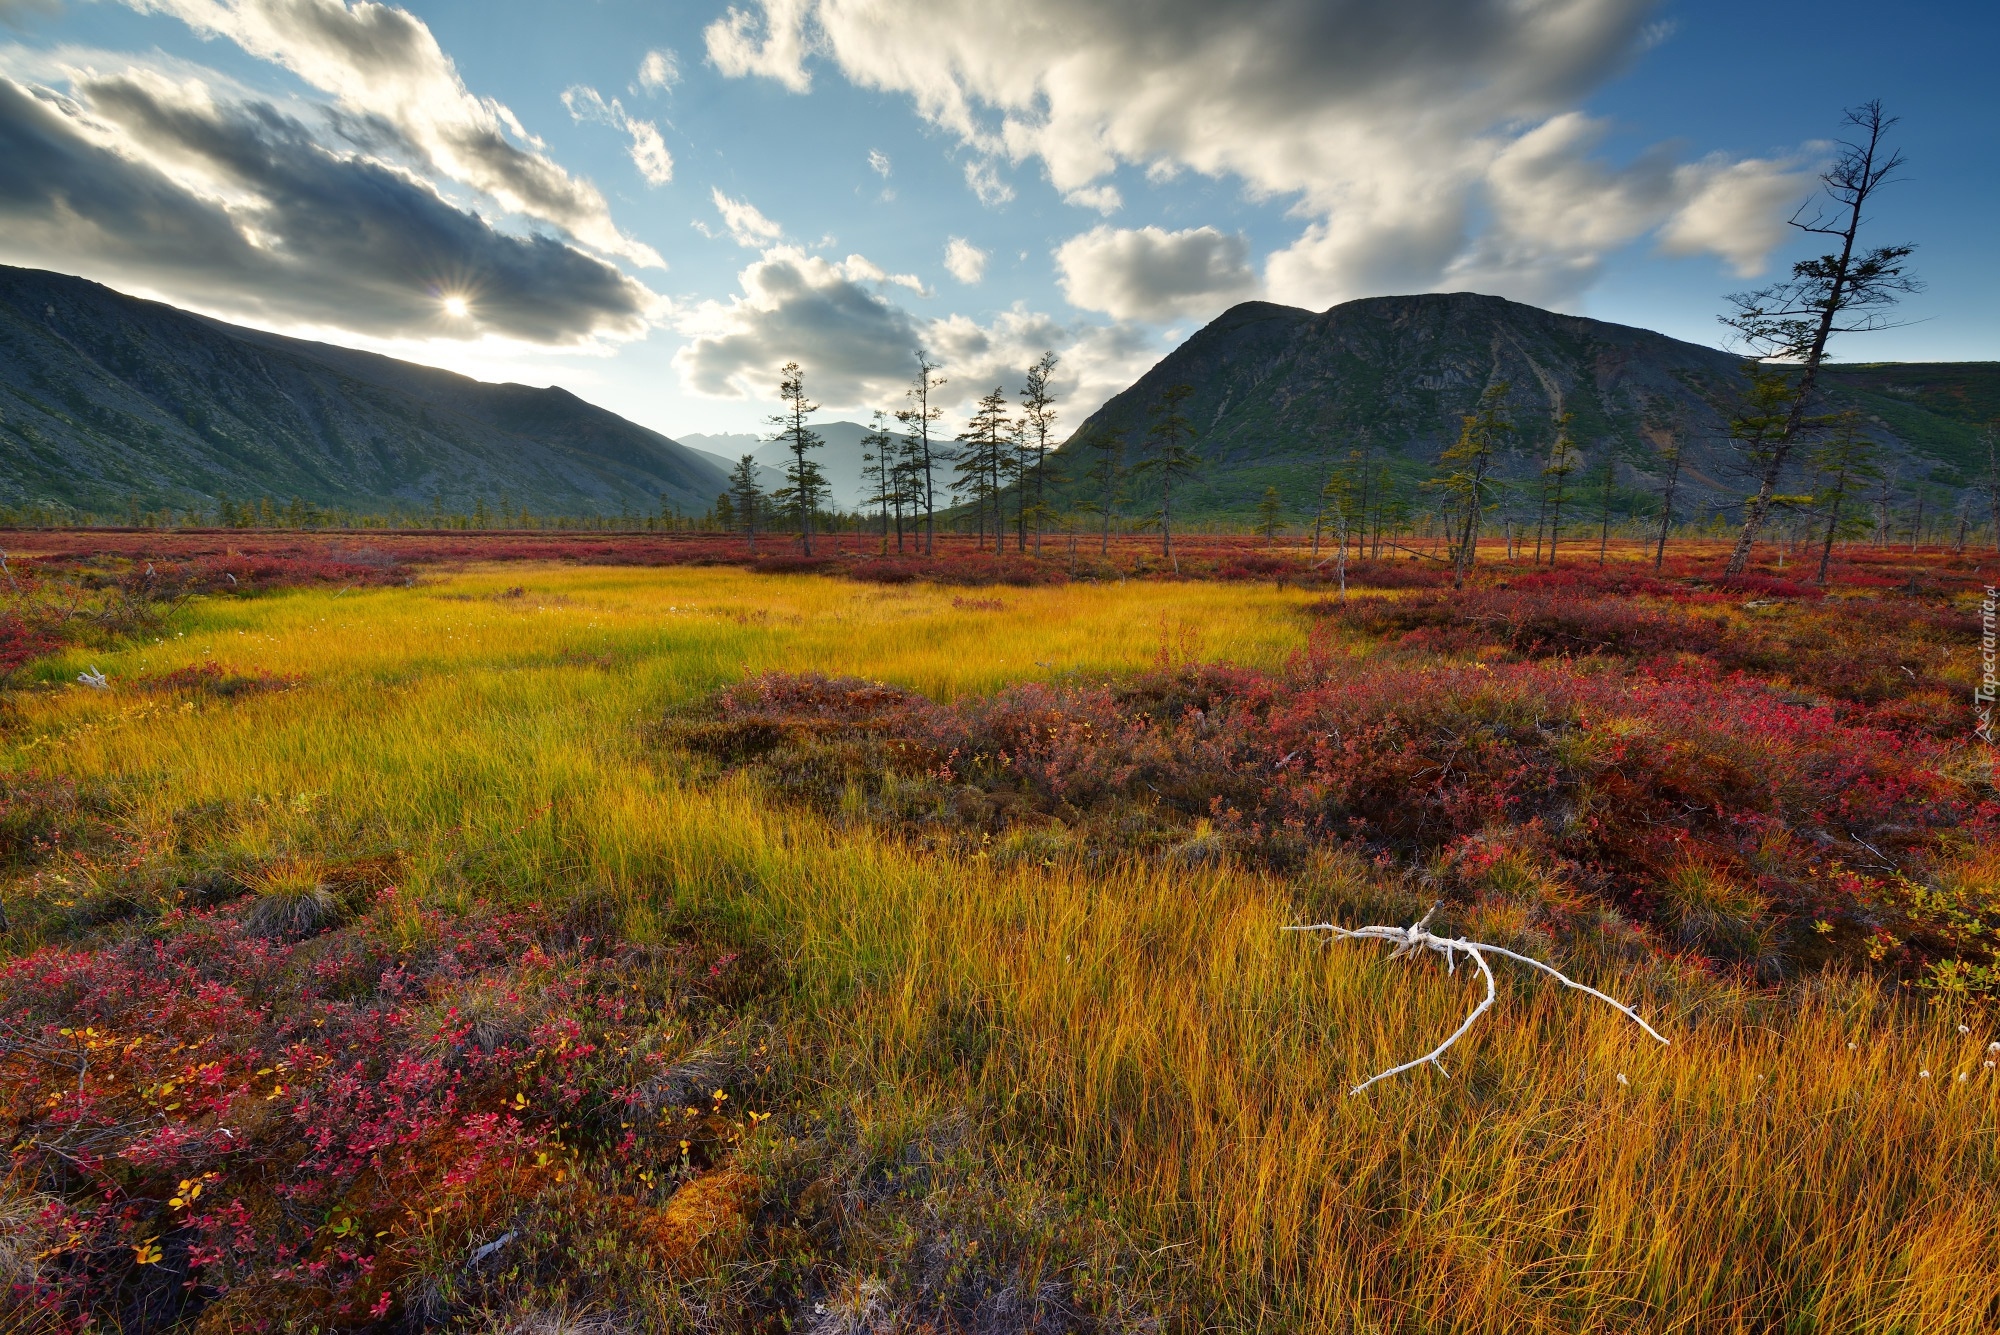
pixel 1894 657
pixel 214 1111
pixel 1619 784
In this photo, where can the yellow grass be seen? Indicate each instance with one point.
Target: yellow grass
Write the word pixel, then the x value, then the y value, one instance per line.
pixel 1144 1048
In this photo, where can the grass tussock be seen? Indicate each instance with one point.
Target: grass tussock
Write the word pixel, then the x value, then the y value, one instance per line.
pixel 772 1035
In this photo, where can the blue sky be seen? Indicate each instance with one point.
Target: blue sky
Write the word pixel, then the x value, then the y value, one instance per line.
pixel 654 206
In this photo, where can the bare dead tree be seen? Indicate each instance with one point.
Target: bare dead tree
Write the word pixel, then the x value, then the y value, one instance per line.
pixel 1412 941
pixel 1845 292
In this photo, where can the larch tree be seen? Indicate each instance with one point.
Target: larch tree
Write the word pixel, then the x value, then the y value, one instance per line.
pixel 1170 457
pixel 1104 480
pixel 1337 501
pixel 1667 424
pixel 1271 516
pixel 984 462
pixel 1038 424
pixel 1468 480
pixel 1846 291
pixel 1563 459
pixel 805 483
pixel 746 498
pixel 878 470
pixel 917 420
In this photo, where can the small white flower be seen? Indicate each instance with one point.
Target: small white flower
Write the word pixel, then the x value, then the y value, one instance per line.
pixel 1622 1080
pixel 1923 1075
pixel 1961 1077
pixel 1852 1046
pixel 1993 1047
pixel 1964 1029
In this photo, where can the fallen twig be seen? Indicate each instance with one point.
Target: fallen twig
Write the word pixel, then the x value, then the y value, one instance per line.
pixel 1417 937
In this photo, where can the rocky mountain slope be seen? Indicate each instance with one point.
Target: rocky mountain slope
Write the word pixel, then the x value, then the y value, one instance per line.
pixel 1277 388
pixel 107 400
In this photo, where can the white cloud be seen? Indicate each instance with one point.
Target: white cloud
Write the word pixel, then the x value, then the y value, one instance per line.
pixel 648 150
pixel 659 71
pixel 750 228
pixel 1098 361
pixel 1149 274
pixel 853 342
pixel 860 268
pixel 381 62
pixel 1403 131
pixel 878 162
pixel 858 345
pixel 1104 198
pixel 740 44
pixel 984 179
pixel 1733 209
pixel 964 261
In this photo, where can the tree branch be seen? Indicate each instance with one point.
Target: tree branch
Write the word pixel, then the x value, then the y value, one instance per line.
pixel 1417 938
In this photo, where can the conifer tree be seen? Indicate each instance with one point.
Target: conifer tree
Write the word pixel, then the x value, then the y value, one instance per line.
pixel 1270 516
pixel 1845 292
pixel 878 470
pixel 1171 458
pixel 805 484
pixel 1667 424
pixel 985 461
pixel 746 498
pixel 1104 479
pixel 1563 459
pixel 917 420
pixel 1038 425
pixel 1468 480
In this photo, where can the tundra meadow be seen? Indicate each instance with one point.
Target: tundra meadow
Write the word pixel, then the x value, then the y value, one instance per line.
pixel 500 935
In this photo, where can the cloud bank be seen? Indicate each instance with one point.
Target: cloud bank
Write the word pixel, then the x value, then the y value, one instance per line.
pixel 1425 142
pixel 241 209
pixel 384 64
pixel 1150 274
pixel 860 345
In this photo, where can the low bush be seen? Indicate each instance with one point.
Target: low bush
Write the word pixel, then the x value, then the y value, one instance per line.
pixel 1793 834
pixel 241 1111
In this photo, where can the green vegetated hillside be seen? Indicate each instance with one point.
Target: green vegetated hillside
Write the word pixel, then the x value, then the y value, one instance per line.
pixel 1277 389
pixel 106 400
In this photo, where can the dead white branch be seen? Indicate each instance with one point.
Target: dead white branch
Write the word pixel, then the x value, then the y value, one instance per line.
pixel 1413 940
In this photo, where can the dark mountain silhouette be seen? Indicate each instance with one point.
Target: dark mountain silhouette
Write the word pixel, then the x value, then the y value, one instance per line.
pixel 107 400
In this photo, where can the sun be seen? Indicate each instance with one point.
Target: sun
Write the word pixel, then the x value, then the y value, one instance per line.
pixel 457 307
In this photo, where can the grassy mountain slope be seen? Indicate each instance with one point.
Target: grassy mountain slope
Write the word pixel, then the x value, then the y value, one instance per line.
pixel 1277 390
pixel 106 399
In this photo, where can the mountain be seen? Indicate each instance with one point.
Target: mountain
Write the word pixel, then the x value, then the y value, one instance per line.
pixel 1275 387
pixel 106 399
pixel 840 460
pixel 769 478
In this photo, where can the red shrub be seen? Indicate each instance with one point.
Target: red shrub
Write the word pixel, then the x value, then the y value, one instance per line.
pixel 1617 780
pixel 211 1109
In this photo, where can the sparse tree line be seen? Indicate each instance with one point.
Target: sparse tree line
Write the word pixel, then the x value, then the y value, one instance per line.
pixel 998 478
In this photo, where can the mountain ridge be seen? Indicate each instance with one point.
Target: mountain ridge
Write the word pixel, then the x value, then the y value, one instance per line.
pixel 108 400
pixel 1277 387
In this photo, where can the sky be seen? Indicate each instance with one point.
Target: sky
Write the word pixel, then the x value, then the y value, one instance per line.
pixel 657 205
